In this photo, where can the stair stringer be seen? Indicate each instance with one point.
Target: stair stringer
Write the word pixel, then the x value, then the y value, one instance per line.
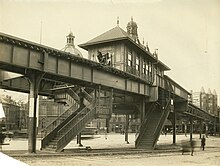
pixel 57 124
pixel 143 127
pixel 151 128
pixel 162 120
pixel 75 129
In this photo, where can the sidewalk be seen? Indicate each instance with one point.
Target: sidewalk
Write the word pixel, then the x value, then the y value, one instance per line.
pixel 113 144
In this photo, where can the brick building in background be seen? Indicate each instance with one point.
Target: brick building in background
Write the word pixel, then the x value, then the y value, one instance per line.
pixel 16 114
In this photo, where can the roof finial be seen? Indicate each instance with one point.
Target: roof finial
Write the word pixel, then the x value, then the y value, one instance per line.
pixel 148 49
pixel 117 21
pixel 70 28
pixel 131 18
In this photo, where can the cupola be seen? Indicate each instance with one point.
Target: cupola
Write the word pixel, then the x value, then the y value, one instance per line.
pixel 70 47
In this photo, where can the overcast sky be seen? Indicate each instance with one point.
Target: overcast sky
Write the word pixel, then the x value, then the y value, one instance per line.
pixel 186 32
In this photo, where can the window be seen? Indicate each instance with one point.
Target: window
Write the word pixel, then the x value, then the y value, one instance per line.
pixel 150 67
pixel 137 63
pixel 144 67
pixel 147 67
pixel 129 57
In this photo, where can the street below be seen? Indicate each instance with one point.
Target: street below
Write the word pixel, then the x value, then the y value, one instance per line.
pixel 106 152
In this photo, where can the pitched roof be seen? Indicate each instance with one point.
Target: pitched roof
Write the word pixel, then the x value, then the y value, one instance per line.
pixel 115 33
pixel 214 92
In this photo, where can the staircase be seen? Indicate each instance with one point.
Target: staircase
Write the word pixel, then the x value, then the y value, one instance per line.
pixel 71 122
pixel 150 129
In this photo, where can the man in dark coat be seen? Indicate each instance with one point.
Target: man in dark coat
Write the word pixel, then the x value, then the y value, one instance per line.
pixel 203 143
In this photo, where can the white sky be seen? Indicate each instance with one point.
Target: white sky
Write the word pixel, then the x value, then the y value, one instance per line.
pixel 186 32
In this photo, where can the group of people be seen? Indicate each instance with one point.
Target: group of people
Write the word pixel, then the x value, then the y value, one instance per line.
pixel 191 146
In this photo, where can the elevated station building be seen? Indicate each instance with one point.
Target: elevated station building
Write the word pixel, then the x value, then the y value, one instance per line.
pixel 121 77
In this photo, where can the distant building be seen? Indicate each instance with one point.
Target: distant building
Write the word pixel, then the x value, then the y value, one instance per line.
pixel 16 114
pixel 206 101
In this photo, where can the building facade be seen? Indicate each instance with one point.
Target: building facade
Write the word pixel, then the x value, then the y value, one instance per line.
pixel 206 101
pixel 16 114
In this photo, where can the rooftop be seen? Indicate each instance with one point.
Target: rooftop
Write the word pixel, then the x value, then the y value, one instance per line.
pixel 118 34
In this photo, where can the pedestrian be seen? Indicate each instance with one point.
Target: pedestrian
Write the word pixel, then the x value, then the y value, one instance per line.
pixel 192 144
pixel 203 143
pixel 185 147
pixel 105 132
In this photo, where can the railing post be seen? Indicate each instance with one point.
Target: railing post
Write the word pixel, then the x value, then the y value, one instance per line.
pixel 99 91
pixel 79 140
pixel 126 128
pixel 191 128
pixel 111 102
pixel 174 127
pixel 200 129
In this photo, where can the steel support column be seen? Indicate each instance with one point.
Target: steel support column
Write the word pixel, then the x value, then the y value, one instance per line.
pixel 206 129
pixel 143 110
pixel 200 129
pixel 126 128
pixel 191 127
pixel 174 127
pixel 34 80
pixel 79 139
pixel 107 124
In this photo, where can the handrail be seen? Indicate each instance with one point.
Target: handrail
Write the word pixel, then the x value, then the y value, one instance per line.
pixel 145 119
pixel 77 125
pixel 143 124
pixel 160 122
pixel 52 133
pixel 69 117
pixel 65 114
pixel 58 121
pixel 77 116
pixel 73 95
pixel 167 105
pixel 88 96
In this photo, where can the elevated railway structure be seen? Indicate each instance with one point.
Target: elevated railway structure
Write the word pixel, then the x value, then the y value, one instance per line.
pixel 121 76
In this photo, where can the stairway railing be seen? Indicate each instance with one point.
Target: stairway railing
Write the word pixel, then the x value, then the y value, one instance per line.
pixel 163 117
pixel 77 125
pixel 69 116
pixel 66 113
pixel 61 118
pixel 56 125
pixel 64 96
pixel 73 94
pixel 87 96
pixel 144 123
